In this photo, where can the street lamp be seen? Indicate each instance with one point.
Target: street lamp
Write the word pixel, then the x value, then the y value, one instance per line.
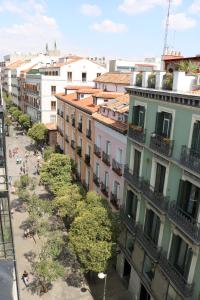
pixel 103 276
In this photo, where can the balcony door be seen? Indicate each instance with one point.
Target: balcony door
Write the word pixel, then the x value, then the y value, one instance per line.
pixel 152 226
pixel 180 256
pixel 195 145
pixel 106 180
pixel 138 115
pixel 119 155
pixel 160 179
pixel 116 189
pixel 131 204
pixel 163 124
pixel 107 147
pixel 137 160
pixel 97 170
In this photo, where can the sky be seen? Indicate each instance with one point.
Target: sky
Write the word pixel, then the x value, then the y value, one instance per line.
pixel 112 28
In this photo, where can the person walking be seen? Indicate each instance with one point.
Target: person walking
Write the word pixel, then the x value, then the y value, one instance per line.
pixel 25 278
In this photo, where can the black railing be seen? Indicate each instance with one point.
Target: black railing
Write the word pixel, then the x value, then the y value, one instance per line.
pixel 104 189
pixel 137 133
pixel 67 138
pixel 117 167
pixel 88 133
pixel 79 151
pixel 97 151
pixel 80 126
pixel 157 199
pixel 114 200
pixel 87 159
pixel 106 158
pixel 190 158
pixel 185 222
pixel 132 179
pixel 128 220
pixel 173 275
pixel 162 145
pixel 73 143
pixel 96 179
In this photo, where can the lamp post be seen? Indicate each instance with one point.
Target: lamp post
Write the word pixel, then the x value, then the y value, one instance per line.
pixel 103 276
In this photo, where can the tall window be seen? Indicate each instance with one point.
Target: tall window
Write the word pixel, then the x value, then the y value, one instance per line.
pixel 98 141
pixel 163 124
pixel 53 105
pixel 116 189
pixel 108 145
pixel 131 204
pixel 106 180
pixel 160 178
pixel 84 77
pixel 69 76
pixel 53 89
pixel 195 146
pixel 119 155
pixel 152 226
pixel 138 115
pixel 97 170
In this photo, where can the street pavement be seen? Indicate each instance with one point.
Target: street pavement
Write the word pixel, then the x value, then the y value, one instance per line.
pixel 23 247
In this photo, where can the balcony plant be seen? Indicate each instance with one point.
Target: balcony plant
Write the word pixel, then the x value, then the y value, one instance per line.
pixel 138 79
pixel 166 140
pixel 167 81
pixel 187 66
pixel 152 81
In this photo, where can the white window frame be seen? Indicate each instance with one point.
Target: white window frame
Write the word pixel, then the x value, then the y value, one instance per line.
pixel 173 113
pixel 156 161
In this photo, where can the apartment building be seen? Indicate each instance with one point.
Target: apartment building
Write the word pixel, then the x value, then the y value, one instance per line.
pixel 124 65
pixel 110 126
pixel 113 81
pixel 41 103
pixel 159 248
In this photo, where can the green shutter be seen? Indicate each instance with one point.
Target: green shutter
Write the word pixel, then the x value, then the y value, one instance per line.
pixel 159 123
pixel 195 146
pixel 188 262
pixel 180 192
pixel 135 115
pixel 174 249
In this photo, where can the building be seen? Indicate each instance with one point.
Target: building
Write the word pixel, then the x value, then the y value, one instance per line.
pixel 159 254
pixel 146 64
pixel 113 81
pixel 110 127
pixel 40 88
pixel 172 59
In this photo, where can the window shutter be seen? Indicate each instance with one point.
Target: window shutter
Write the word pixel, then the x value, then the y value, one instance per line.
pixel 135 115
pixel 195 146
pixel 157 230
pixel 174 249
pixel 180 192
pixel 188 263
pixel 159 123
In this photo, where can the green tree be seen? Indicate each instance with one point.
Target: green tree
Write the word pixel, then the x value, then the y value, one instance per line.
pixel 25 121
pixel 56 172
pixel 12 109
pixel 38 132
pixel 187 66
pixel 48 151
pixel 66 200
pixel 16 114
pixel 8 100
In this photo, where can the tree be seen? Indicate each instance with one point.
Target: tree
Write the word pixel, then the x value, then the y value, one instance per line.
pixel 56 172
pixel 47 153
pixel 25 121
pixel 187 66
pixel 91 233
pixel 38 132
pixel 8 100
pixel 66 200
pixel 16 114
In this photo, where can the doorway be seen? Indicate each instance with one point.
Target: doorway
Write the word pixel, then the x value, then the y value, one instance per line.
pixel 144 295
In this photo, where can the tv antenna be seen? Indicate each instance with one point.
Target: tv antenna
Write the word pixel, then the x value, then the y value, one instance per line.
pixel 167 28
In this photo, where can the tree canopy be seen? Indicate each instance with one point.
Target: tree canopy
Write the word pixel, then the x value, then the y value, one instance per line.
pixel 25 121
pixel 38 132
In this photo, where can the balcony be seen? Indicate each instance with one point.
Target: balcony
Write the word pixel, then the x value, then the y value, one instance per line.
pixel 132 179
pixel 128 221
pixel 117 167
pixel 97 151
pixel 80 126
pixel 156 199
pixel 88 133
pixel 190 159
pixel 106 158
pixel 73 143
pixel 67 138
pixel 114 200
pixel 79 151
pixel 161 145
pixel 104 189
pixel 184 222
pixel 96 180
pixel 137 133
pixel 173 275
pixel 67 118
pixel 147 244
pixel 73 122
pixel 87 159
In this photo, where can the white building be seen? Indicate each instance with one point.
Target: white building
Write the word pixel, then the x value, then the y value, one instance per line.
pixel 113 81
pixel 40 88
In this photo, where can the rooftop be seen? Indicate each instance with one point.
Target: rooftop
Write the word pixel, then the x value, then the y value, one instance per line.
pixel 115 77
pixel 116 125
pixel 108 95
pixel 51 126
pixel 121 104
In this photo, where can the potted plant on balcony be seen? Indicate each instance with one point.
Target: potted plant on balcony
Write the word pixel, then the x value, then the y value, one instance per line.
pixel 187 66
pixel 139 79
pixel 152 81
pixel 167 81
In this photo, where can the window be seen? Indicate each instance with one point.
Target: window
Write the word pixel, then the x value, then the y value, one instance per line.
pixel 134 163
pixel 53 89
pixel 195 145
pixel 108 145
pixel 160 179
pixel 148 268
pixel 138 115
pixel 116 189
pixel 98 141
pixel 87 177
pixel 84 77
pixel 129 242
pixel 53 105
pixel 131 205
pixel 69 76
pixel 119 155
pixel 152 226
pixel 163 124
pixel 97 170
pixel 52 119
pixel 98 74
pixel 106 180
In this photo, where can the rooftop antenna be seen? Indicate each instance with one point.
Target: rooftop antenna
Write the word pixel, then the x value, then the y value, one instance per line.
pixel 165 48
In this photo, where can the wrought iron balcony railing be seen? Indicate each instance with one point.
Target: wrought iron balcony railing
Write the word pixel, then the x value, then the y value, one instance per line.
pixel 114 200
pixel 190 158
pixel 106 158
pixel 117 167
pixel 157 199
pixel 73 144
pixel 96 180
pixel 87 159
pixel 128 220
pixel 161 145
pixel 104 189
pixel 173 275
pixel 137 133
pixel 79 151
pixel 80 126
pixel 184 222
pixel 88 133
pixel 132 179
pixel 97 151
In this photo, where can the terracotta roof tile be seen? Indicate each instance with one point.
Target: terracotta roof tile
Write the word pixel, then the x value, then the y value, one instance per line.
pixel 76 87
pixel 119 126
pixel 51 126
pixel 89 91
pixel 121 104
pixel 115 77
pixel 15 65
pixel 108 95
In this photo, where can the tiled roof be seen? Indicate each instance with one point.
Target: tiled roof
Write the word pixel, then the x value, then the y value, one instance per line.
pixel 108 95
pixel 84 104
pixel 51 126
pixel 121 104
pixel 115 77
pixel 88 90
pixel 119 126
pixel 15 65
pixel 76 87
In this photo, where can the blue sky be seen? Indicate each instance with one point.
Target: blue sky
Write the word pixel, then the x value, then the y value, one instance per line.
pixel 114 28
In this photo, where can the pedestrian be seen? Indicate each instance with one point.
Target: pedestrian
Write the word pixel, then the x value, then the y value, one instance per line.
pixel 25 278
